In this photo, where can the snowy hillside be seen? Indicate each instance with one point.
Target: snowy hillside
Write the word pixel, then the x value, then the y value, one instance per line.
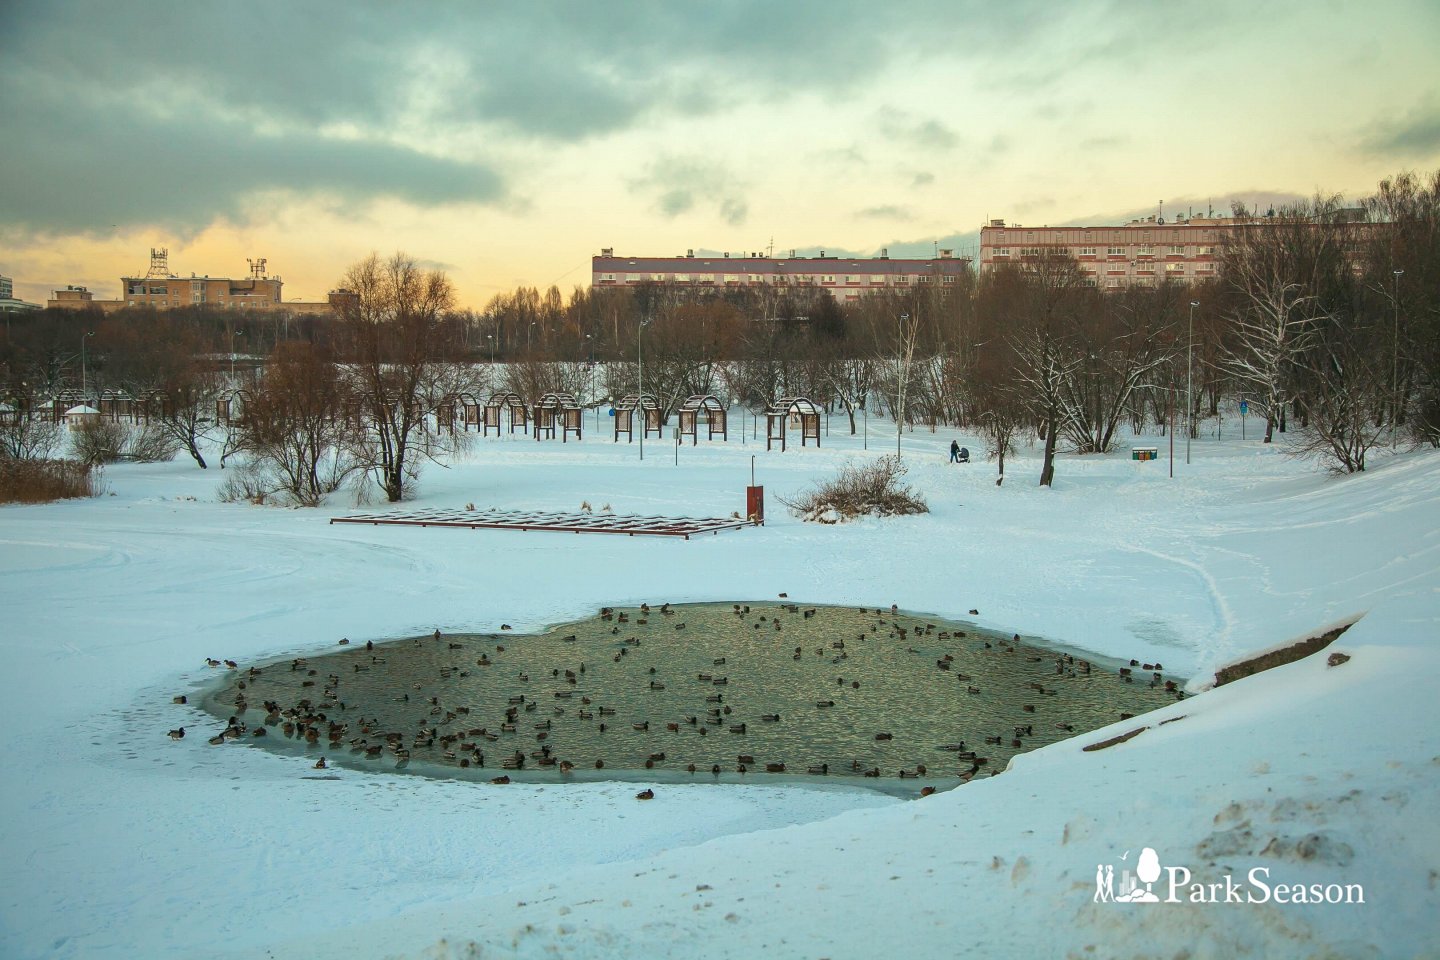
pixel 120 842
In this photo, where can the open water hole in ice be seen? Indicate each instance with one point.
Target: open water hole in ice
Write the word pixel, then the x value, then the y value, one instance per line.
pixel 875 695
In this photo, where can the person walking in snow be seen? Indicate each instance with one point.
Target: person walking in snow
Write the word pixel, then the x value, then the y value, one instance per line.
pixel 954 451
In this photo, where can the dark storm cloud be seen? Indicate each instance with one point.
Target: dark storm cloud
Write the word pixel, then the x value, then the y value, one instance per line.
pixel 131 113
pixel 1415 136
pixel 111 167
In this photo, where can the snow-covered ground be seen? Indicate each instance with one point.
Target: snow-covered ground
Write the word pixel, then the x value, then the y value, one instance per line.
pixel 119 842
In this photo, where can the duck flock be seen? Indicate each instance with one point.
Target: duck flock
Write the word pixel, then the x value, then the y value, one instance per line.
pixel 706 689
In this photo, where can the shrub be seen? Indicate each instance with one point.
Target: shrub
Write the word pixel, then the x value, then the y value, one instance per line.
pixel 41 481
pixel 97 440
pixel 151 443
pixel 861 490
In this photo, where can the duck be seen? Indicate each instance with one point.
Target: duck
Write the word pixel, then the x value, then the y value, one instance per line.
pixel 646 794
pixel 821 770
pixel 177 734
pixel 502 779
pixel 320 764
pixel 180 699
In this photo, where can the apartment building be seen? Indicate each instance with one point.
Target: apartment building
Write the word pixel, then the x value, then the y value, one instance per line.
pixel 159 289
pixel 846 279
pixel 1140 252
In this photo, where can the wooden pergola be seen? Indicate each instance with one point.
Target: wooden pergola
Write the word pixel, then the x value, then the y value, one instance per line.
pixel 625 415
pixel 711 409
pixel 519 415
pixel 557 410
pixel 463 404
pixel 231 408
pixel 798 411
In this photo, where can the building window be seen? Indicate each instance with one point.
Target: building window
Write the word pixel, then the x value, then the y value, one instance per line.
pixel 828 278
pixel 658 277
pixel 1115 251
pixel 902 281
pixel 948 278
pixel 1146 250
pixel 1207 251
pixel 1177 251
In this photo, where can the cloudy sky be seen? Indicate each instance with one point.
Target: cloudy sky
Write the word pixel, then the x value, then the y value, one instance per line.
pixel 508 142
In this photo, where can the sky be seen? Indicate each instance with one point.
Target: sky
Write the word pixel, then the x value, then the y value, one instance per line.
pixel 509 143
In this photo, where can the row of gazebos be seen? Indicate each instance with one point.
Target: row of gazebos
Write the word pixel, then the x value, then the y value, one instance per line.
pixel 73 407
pixel 552 414
pixel 562 413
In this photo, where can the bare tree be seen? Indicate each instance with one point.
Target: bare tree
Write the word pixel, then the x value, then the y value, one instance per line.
pixel 1038 307
pixel 28 432
pixel 300 443
pixel 400 349
pixel 1273 268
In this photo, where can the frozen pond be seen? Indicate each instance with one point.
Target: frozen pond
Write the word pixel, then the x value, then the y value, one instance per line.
pixel 732 690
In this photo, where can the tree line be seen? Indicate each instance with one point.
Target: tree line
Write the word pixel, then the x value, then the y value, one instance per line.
pixel 1319 317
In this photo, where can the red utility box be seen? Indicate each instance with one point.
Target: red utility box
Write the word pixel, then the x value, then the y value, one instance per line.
pixel 755 504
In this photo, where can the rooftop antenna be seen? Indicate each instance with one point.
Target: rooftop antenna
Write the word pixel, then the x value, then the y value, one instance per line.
pixel 770 250
pixel 257 268
pixel 159 264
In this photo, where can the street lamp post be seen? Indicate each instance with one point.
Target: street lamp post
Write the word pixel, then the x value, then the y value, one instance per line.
pixel 591 338
pixel 233 331
pixel 899 385
pixel 84 375
pixel 1189 382
pixel 1395 366
pixel 491 338
pixel 640 376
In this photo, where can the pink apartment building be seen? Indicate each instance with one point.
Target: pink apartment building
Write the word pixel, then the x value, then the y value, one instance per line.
pixel 1139 252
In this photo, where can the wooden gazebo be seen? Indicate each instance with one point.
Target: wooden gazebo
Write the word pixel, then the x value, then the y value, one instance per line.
pixel 557 411
pixel 625 415
pixel 116 405
pixel 519 415
pixel 796 411
pixel 453 406
pixel 231 407
pixel 705 407
pixel 153 403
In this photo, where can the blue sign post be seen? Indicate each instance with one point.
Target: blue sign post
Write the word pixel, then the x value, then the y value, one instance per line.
pixel 1244 409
